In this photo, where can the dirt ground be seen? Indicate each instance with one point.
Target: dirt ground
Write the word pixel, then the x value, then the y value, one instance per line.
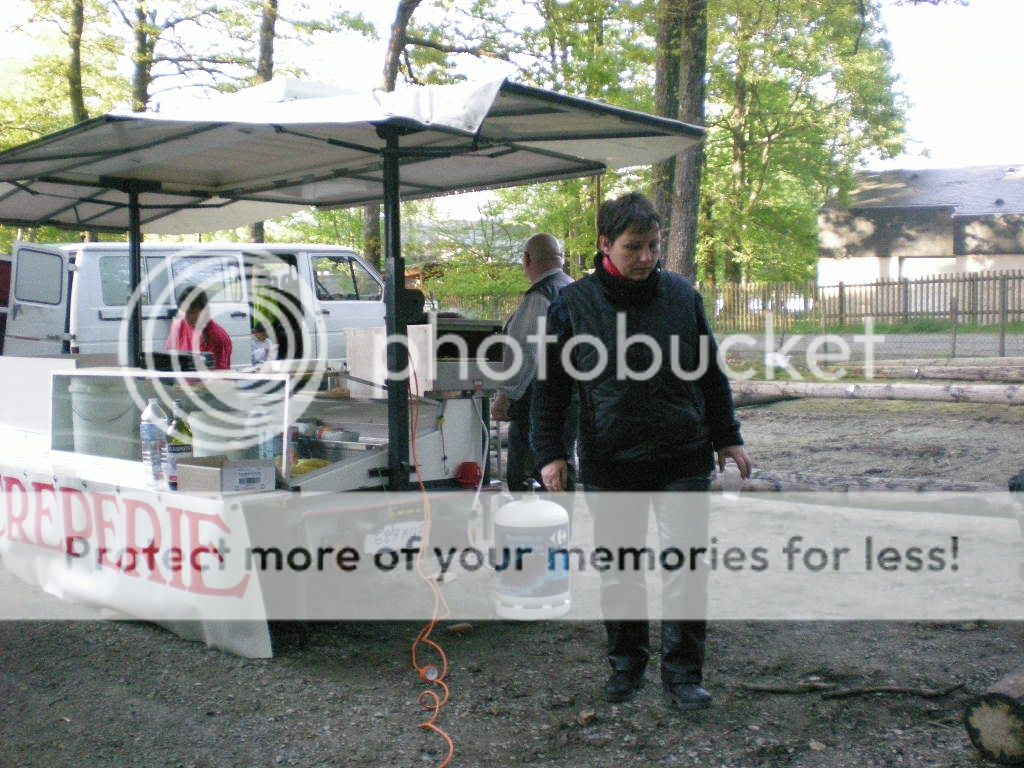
pixel 131 694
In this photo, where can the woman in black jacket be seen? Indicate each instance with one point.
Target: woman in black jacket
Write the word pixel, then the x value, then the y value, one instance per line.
pixel 633 339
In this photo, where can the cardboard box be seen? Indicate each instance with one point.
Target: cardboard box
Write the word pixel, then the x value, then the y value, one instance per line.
pixel 219 474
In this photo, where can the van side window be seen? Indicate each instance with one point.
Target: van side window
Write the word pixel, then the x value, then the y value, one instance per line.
pixel 114 280
pixel 340 278
pixel 219 276
pixel 40 277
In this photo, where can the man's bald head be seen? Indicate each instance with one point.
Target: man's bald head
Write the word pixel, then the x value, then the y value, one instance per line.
pixel 543 253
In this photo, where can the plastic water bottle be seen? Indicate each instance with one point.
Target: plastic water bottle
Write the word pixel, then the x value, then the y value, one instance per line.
pixel 178 444
pixel 268 440
pixel 153 436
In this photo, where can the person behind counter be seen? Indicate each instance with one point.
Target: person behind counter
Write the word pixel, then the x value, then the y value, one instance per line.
pixel 261 346
pixel 194 331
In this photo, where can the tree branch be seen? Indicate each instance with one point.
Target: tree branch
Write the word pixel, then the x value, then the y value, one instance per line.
pixel 478 51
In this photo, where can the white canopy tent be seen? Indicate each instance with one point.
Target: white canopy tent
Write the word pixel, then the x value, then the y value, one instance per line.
pixel 275 148
pixel 278 147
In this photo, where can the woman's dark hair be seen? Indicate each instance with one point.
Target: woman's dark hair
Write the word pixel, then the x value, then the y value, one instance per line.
pixel 631 211
pixel 192 298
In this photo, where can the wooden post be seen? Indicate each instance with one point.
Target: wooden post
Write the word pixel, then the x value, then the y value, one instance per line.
pixel 953 319
pixel 995 720
pixel 972 297
pixel 1004 290
pixel 842 304
pixel 905 298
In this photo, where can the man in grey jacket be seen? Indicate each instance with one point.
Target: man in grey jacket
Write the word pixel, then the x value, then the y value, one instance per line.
pixel 543 264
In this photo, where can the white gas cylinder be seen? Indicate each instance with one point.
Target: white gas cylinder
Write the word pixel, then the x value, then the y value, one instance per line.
pixel 531 539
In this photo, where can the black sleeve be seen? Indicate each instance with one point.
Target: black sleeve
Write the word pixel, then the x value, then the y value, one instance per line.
pixel 720 413
pixel 552 391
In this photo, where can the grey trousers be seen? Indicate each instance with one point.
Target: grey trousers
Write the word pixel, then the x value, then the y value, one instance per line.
pixel 681 512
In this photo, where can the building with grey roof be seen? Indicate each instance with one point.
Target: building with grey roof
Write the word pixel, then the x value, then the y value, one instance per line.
pixel 913 223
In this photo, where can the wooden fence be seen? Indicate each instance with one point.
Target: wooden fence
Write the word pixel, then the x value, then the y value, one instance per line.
pixel 980 298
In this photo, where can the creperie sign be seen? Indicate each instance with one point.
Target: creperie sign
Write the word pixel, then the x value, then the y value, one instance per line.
pixel 131 536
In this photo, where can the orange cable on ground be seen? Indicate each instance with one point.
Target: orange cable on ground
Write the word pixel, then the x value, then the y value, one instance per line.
pixel 431 674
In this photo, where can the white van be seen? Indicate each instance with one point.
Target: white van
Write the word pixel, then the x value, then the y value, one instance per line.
pixel 5 290
pixel 71 299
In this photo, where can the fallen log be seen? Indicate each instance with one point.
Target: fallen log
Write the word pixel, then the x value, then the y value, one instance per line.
pixel 831 691
pixel 809 687
pixel 906 494
pixel 952 372
pixel 1012 362
pixel 742 399
pixel 1012 394
pixel 786 482
pixel 995 720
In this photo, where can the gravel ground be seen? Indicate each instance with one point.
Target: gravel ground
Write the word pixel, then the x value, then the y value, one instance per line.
pixel 131 694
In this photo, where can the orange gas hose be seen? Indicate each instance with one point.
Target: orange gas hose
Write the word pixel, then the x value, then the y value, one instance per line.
pixel 431 674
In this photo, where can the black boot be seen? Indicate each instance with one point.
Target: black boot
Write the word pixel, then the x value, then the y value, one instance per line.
pixel 687 695
pixel 623 684
pixel 682 663
pixel 682 651
pixel 629 647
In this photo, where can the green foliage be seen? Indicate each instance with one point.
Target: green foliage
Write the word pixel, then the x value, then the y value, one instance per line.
pixel 339 227
pixel 34 99
pixel 797 93
pixel 468 276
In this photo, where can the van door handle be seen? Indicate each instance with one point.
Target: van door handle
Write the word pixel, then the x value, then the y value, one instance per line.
pixel 239 314
pixel 324 311
pixel 14 310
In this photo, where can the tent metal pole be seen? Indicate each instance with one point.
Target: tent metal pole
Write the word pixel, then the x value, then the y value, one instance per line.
pixel 134 277
pixel 395 320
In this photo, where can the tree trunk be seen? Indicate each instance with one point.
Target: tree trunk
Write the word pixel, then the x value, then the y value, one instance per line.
pixel 78 111
pixel 396 44
pixel 268 22
pixel 682 242
pixel 995 720
pixel 399 28
pixel 74 75
pixel 265 73
pixel 142 59
pixel 666 101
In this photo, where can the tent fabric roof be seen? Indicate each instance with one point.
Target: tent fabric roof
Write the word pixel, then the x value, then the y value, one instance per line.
pixel 276 148
pixel 976 191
